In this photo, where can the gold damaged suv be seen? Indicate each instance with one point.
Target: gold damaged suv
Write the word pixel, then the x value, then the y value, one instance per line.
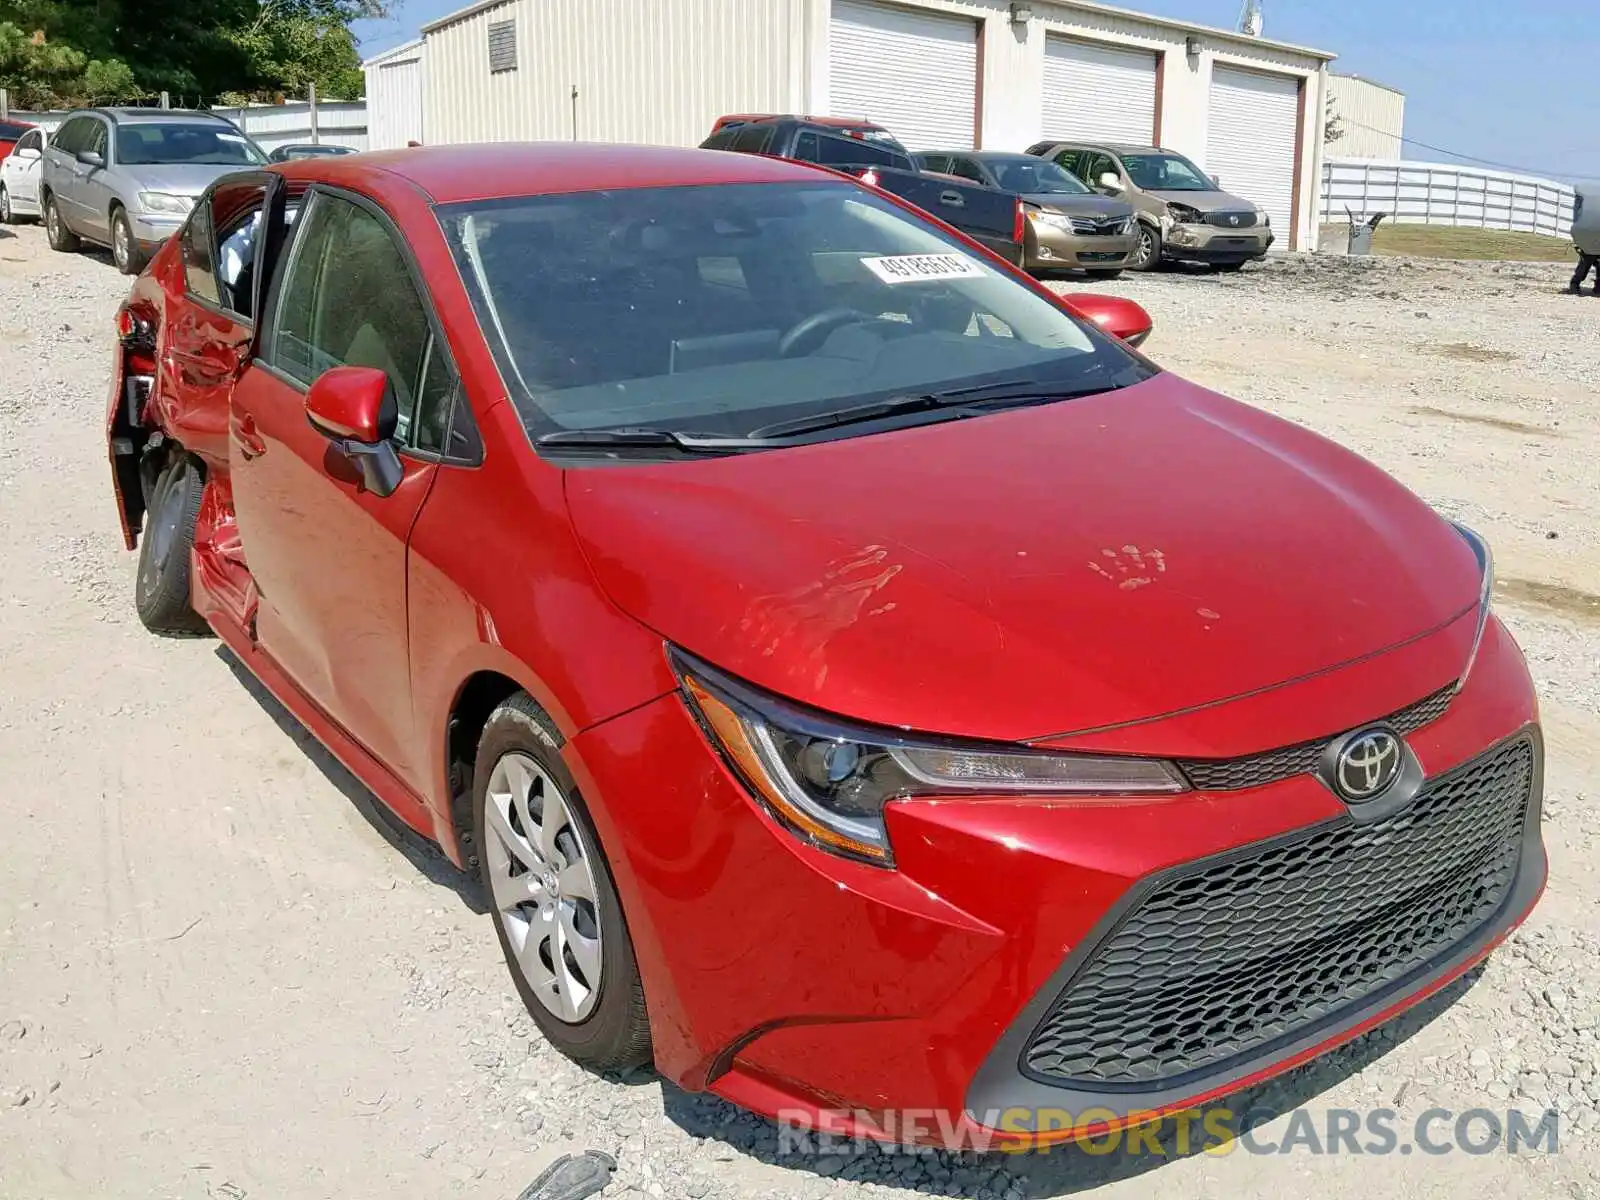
pixel 1184 215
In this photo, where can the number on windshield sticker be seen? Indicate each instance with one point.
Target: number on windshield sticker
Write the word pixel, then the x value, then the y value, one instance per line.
pixel 913 268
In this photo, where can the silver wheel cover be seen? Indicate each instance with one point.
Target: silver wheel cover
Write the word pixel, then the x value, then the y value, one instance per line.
pixel 541 874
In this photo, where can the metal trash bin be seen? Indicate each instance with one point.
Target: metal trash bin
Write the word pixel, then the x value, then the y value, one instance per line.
pixel 1361 232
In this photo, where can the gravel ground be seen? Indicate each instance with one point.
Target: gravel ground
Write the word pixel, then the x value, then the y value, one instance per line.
pixel 223 974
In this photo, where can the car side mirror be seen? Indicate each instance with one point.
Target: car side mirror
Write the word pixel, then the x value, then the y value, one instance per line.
pixel 91 158
pixel 1111 181
pixel 1216 182
pixel 1119 317
pixel 355 409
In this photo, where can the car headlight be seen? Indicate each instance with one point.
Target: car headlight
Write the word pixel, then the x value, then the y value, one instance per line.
pixel 1054 220
pixel 1183 214
pixel 1485 557
pixel 165 202
pixel 829 781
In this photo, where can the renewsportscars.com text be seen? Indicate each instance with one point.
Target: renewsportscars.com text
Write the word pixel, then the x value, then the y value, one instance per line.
pixel 1214 1131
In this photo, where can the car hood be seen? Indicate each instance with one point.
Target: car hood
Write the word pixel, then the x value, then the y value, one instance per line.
pixel 180 179
pixel 1206 202
pixel 1029 573
pixel 1080 206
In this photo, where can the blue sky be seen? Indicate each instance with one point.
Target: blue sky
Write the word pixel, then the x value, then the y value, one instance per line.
pixel 1509 81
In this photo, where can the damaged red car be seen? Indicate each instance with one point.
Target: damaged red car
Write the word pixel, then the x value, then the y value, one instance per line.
pixel 861 683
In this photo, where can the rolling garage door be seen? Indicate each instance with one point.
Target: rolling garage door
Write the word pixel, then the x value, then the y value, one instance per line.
pixel 1098 93
pixel 1252 142
pixel 914 73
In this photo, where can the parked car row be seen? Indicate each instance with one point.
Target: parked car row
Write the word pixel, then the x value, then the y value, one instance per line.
pixel 1098 207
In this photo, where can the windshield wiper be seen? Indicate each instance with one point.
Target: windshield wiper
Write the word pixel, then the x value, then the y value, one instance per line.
pixel 971 401
pixel 648 439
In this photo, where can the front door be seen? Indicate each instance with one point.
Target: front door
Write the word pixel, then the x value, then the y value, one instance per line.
pixel 328 557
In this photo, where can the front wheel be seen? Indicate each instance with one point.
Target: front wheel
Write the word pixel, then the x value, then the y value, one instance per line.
pixel 55 229
pixel 6 216
pixel 1146 255
pixel 557 914
pixel 161 592
pixel 125 251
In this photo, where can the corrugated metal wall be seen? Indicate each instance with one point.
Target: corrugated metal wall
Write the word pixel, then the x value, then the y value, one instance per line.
pixel 1374 118
pixel 394 97
pixel 646 71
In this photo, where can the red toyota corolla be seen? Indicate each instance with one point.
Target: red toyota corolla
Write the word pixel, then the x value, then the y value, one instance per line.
pixel 860 682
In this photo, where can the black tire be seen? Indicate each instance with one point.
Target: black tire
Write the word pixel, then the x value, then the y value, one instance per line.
pixel 161 591
pixel 56 231
pixel 1146 253
pixel 6 215
pixel 1115 273
pixel 125 251
pixel 615 1036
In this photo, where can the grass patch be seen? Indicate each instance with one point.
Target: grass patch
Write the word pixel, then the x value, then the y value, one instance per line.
pixel 1449 241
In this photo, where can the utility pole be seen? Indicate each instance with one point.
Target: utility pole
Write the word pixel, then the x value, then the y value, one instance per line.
pixel 311 92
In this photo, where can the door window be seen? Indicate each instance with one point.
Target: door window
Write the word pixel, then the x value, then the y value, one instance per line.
pixel 752 139
pixel 1074 161
pixel 348 300
pixel 96 138
pixel 70 137
pixel 967 169
pixel 1097 165
pixel 32 140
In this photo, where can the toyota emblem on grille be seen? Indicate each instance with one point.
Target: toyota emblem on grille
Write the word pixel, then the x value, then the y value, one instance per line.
pixel 1367 765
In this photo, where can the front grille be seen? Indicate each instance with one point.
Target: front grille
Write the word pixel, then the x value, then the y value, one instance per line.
pixel 1240 951
pixel 1232 219
pixel 1089 227
pixel 1256 770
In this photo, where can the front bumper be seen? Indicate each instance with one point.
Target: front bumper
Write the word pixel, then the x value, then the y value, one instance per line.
pixel 1051 247
pixel 1214 244
pixel 837 994
pixel 150 230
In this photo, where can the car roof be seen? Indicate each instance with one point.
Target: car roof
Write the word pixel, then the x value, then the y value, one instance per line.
pixel 450 174
pixel 1113 147
pixel 156 116
pixel 834 122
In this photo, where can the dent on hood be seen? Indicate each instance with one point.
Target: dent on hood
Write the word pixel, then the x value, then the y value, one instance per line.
pixel 801 621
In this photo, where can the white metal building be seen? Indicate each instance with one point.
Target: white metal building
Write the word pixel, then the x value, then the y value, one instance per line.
pixel 1372 115
pixel 995 74
pixel 394 96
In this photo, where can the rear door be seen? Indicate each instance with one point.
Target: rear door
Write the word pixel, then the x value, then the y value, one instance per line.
pixel 61 172
pixel 328 557
pixel 21 171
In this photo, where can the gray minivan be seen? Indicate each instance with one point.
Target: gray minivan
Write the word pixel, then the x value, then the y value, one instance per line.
pixel 127 177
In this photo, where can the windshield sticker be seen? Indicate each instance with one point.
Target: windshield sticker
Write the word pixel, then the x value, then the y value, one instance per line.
pixel 914 268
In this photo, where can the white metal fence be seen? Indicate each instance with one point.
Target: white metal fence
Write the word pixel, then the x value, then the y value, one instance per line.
pixel 1422 193
pixel 331 122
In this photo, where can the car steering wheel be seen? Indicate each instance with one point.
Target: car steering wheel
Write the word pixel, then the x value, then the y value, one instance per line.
pixel 808 333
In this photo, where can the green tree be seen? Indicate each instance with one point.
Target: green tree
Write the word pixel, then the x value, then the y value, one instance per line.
pixel 56 53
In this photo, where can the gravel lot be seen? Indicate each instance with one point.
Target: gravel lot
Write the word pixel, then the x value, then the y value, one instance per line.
pixel 222 974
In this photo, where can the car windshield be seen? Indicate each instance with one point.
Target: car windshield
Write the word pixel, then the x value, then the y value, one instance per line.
pixel 724 309
pixel 168 142
pixel 1166 173
pixel 1036 175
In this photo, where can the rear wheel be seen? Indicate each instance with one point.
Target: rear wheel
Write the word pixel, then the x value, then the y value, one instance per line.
pixel 556 910
pixel 1146 254
pixel 125 249
pixel 161 593
pixel 55 229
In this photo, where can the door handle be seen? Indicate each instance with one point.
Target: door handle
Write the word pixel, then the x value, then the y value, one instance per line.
pixel 953 199
pixel 251 443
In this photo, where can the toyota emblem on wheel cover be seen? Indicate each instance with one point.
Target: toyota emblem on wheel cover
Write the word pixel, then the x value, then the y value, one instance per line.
pixel 1367 765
